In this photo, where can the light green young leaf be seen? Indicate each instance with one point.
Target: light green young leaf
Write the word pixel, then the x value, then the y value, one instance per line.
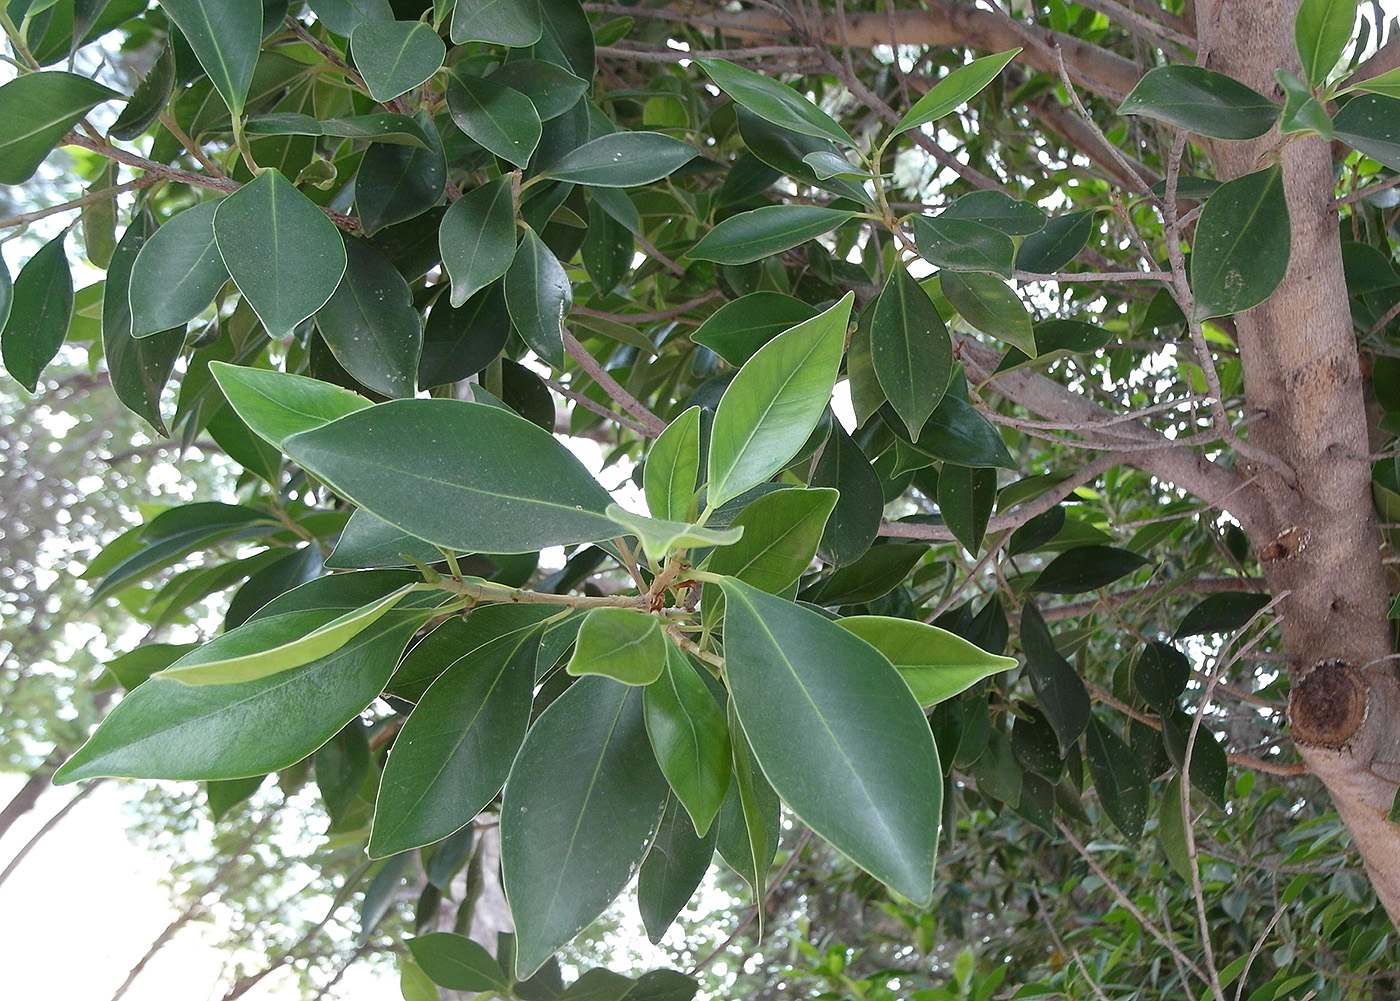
pixel 935 664
pixel 690 736
pixel 660 537
pixel 672 472
pixel 955 89
pixel 620 643
pixel 277 405
pixel 1321 32
pixel 782 530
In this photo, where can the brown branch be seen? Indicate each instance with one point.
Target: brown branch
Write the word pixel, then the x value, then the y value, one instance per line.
pixel 92 197
pixel 596 407
pixel 1109 602
pixel 660 315
pixel 49 825
pixel 654 425
pixel 28 795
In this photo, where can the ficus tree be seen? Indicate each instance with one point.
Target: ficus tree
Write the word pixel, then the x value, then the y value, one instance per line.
pixel 1107 291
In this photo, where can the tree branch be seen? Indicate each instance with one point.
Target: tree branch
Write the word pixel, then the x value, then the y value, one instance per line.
pixel 654 425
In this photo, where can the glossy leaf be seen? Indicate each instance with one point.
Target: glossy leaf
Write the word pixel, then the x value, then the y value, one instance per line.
pixel 370 543
pixel 151 96
pixel 1201 101
pixel 910 349
pixel 845 715
pixel 934 663
pixel 276 405
pixel 775 402
pixel 460 342
pixel 393 57
pixel 855 520
pixel 1301 111
pixel 1057 245
pixel 1125 791
pixel 499 118
pixel 370 324
pixel 775 102
pixel 659 538
pixel 398 183
pixel 750 819
pixel 955 432
pixel 458 963
pixel 395 129
pixel 1368 123
pixel 782 530
pixel 539 295
pixel 1087 568
pixel 1063 698
pixel 964 245
pixel 466 476
pixel 965 498
pixel 225 37
pixel 571 838
pixel 874 575
pixel 690 738
pixel 506 22
pixel 672 471
pixel 38 109
pixel 455 750
pixel 1321 31
pixel 1241 249
pixel 622 160
pixel 283 253
pixel 739 328
pixel 1012 216
pixel 787 152
pixel 139 369
pixel 759 233
pixel 177 272
pixel 41 306
pixel 1220 613
pixel 344 16
pixel 955 89
pixel 675 864
pixel 827 164
pixel 552 89
pixel 988 303
pixel 477 238
pixel 623 644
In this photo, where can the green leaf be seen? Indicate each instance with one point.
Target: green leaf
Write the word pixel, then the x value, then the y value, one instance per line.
pixel 934 663
pixel 1369 123
pixel 787 152
pixel 1241 249
pixel 782 530
pixel 1221 613
pixel 582 800
pixel 283 253
pixel 370 543
pixel 774 403
pixel 399 130
pixel 988 303
pixel 1058 244
pixel 177 272
pixel 622 160
pixel 1387 83
pixel 393 57
pixel 7 294
pixel 499 118
pixel 516 23
pixel 458 963
pixel 177 532
pixel 539 295
pixel 874 575
pixel 855 521
pixel 841 738
pixel 397 183
pixel 750 819
pixel 41 306
pixel 151 96
pixel 1201 101
pixel 1321 31
pixel 739 328
pixel 477 238
pixel 955 89
pixel 690 738
pixel 270 646
pixel 623 644
pixel 38 109
pixel 277 405
pixel 955 432
pixel 1160 675
pixel 468 477
pixel 1063 698
pixel 660 538
pixel 965 498
pixel 1000 211
pixel 1301 111
pixel 1209 767
pixel 1171 828
pixel 675 864
pixel 910 349
pixel 370 324
pixel 1124 789
pixel 827 163
pixel 568 38
pixel 454 752
pixel 775 102
pixel 964 245
pixel 344 16
pixel 1086 568
pixel 672 472
pixel 759 233
pixel 552 89
pixel 458 343
pixel 225 37
pixel 165 729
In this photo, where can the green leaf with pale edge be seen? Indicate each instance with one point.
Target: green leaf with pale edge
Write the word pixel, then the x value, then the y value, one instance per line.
pixel 168 730
pixel 263 651
pixel 739 328
pixel 38 109
pixel 465 476
pixel 775 402
pixel 1371 123
pixel 458 963
pixel 1201 101
pixel 775 102
pixel 759 233
pixel 827 163
pixel 955 89
pixel 477 238
pixel 690 737
pixel 675 863
pixel 660 537
pixel 370 324
pixel 538 296
pixel 910 349
pixel 41 306
pixel 619 643
pixel 934 663
pixel 151 96
pixel 1321 31
pixel 964 245
pixel 838 734
pixel 277 405
pixel 750 819
pixel 781 530
pixel 1301 111
pixel 622 160
pixel 672 472
pixel 987 302
pixel 498 117
pixel 572 837
pixel 283 253
pixel 454 752
pixel 177 272
pixel 225 36
pixel 1387 84
pixel 517 23
pixel 393 57
pixel 1241 249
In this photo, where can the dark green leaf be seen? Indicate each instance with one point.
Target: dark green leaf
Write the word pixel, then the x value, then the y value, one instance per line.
pixel 1221 613
pixel 988 303
pixel 1063 697
pixel 133 668
pixel 607 252
pixel 960 85
pixel 277 405
pixel 1209 768
pixel 390 128
pixel 934 663
pixel 40 308
pixel 460 342
pixel 787 152
pixel 466 476
pixel 964 245
pixel 1321 32
pixel 477 238
pixel 291 570
pixel 1241 249
pixel 7 294
pixel 910 350
pixel 690 739
pixel 393 57
pixel 370 324
pixel 369 543
pixel 845 715
pixel 149 100
pixel 622 160
pixel 397 183
pixel 38 109
pixel 1201 101
pixel 517 23
pixel 674 865
pixel 1035 744
pixel 341 765
pixel 775 102
pixel 1160 674
pixel 965 498
pixel 1086 568
pixel 499 118
pixel 223 795
pixel 344 16
pixel 552 89
pixel 875 574
pixel 739 328
pixel 582 800
pixel 177 272
pixel 225 37
pixel 1057 244
pixel 955 432
pixel 855 521
pixel 782 530
pixel 759 233
pixel 998 210
pixel 458 963
pixel 1124 789
pixel 539 295
pixel 1368 123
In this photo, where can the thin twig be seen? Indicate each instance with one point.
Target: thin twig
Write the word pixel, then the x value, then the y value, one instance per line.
pixel 597 408
pixel 654 425
pixel 48 826
pixel 92 197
